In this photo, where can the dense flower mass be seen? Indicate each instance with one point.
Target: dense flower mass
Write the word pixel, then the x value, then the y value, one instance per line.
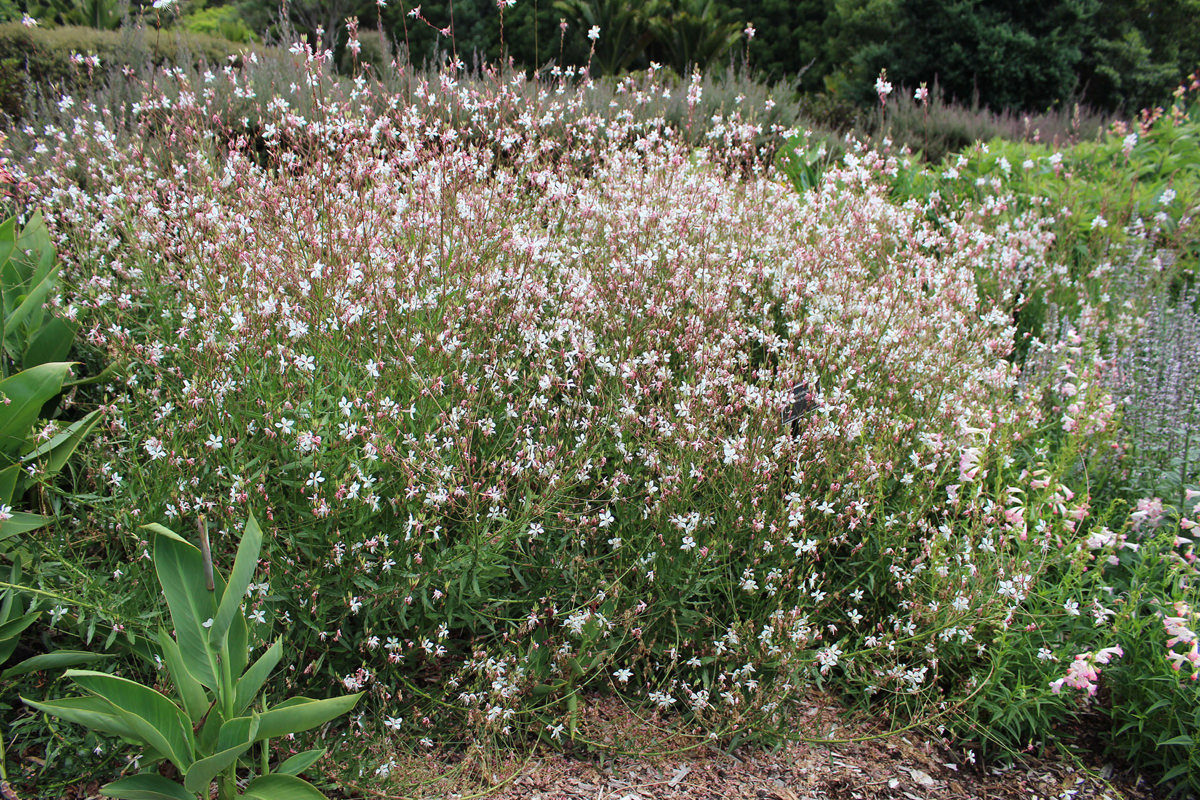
pixel 509 380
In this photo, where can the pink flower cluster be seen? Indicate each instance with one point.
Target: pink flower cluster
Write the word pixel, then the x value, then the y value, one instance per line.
pixel 1084 671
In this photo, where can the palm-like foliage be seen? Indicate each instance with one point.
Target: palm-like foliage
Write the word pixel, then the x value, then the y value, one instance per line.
pixel 626 30
pixel 696 33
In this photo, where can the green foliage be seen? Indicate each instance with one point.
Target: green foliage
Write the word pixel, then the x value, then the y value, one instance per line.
pixel 695 34
pixel 224 22
pixel 626 30
pixel 39 60
pixel 1155 705
pixel 34 343
pixel 107 15
pixel 209 724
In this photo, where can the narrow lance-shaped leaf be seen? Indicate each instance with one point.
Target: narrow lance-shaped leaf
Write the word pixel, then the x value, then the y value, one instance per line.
pixel 55 661
pixel 239 579
pixel 251 683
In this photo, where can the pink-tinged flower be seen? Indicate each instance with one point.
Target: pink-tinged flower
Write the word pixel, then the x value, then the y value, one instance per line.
pixel 921 95
pixel 882 87
pixel 749 30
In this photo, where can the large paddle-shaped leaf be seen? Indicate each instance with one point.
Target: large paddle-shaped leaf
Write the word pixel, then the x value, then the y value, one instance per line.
pixel 282 787
pixel 301 714
pixel 195 701
pixel 151 715
pixel 180 569
pixel 235 738
pixel 93 712
pixel 26 393
pixel 146 787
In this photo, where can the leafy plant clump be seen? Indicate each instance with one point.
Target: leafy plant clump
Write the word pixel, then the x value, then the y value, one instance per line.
pixel 544 398
pixel 211 723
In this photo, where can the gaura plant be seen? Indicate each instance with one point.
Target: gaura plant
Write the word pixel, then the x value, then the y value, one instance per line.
pixel 207 728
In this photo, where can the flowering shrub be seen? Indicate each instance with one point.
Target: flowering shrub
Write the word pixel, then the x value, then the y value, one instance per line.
pixel 511 379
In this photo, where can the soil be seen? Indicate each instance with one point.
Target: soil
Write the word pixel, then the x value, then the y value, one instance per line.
pixel 906 766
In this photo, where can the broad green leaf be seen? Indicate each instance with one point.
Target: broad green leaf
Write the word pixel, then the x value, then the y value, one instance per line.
pixel 63 444
pixel 22 522
pixel 35 239
pixel 282 787
pixel 154 527
pixel 13 627
pixel 180 570
pixel 91 712
pixel 102 375
pixel 239 579
pixel 301 714
pixel 26 393
pixel 146 786
pixel 195 701
pixel 152 715
pixel 8 240
pixel 52 342
pixel 237 643
pixel 56 660
pixel 250 684
pixel 8 483
pixel 29 312
pixel 235 738
pixel 239 730
pixel 300 762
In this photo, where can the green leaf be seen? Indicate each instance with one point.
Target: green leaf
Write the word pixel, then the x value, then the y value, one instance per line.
pixel 63 444
pixel 282 787
pixel 239 579
pixel 235 738
pixel 1182 740
pixel 91 712
pixel 52 342
pixel 22 522
pixel 29 312
pixel 103 375
pixel 12 629
pixel 146 786
pixel 26 393
pixel 301 714
pixel 152 715
pixel 180 570
pixel 8 484
pixel 56 660
pixel 300 762
pixel 195 701
pixel 239 730
pixel 252 682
